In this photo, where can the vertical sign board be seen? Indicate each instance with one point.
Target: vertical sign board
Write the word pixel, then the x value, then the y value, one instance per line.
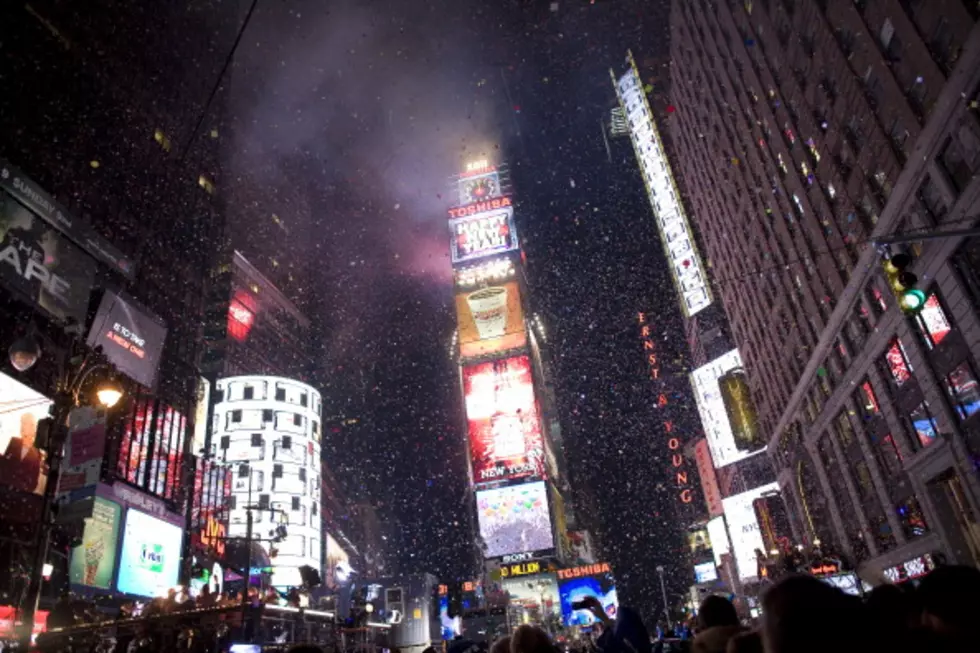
pixel 709 480
pixel 675 231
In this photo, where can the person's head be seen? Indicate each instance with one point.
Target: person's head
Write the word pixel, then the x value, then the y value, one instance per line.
pixel 530 639
pixel 805 615
pixel 749 642
pixel 891 609
pixel 949 597
pixel 502 645
pixel 716 611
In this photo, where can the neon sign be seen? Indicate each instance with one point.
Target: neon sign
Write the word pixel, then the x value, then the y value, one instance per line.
pixel 479 207
pixel 584 570
pixel 520 569
pixel 677 460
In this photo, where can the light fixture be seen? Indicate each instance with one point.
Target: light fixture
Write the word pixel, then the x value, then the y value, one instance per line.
pixel 816 542
pixel 24 353
pixel 369 608
pixel 109 393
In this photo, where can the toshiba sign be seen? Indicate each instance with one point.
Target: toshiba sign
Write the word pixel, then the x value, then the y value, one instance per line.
pixel 585 570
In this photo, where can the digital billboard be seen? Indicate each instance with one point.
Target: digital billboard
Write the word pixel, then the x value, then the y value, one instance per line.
pixel 711 407
pixel 479 185
pixel 490 320
pixel 675 231
pixel 93 563
pixel 719 538
pixel 41 265
pixel 515 519
pixel 131 338
pixel 705 572
pixel 22 465
pixel 580 582
pixel 150 558
pixel 483 234
pixel 709 480
pixel 502 418
pixel 743 527
pixel 338 564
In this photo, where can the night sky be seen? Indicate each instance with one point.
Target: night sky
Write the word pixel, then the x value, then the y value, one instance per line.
pixel 356 117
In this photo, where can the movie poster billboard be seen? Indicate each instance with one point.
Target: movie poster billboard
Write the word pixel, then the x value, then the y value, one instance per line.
pixel 40 265
pixel 131 338
pixel 92 563
pixel 483 234
pixel 578 583
pixel 22 465
pixel 503 422
pixel 490 320
pixel 515 519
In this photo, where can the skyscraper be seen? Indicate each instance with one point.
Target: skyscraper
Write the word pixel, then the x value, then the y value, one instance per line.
pixel 804 131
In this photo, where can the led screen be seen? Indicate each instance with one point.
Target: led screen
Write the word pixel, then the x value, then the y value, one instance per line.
pixel 492 232
pixel 130 338
pixel 719 538
pixel 502 418
pixel 338 564
pixel 744 528
pixel 705 572
pixel 22 465
pixel 150 558
pixel 490 320
pixel 514 519
pixel 711 407
pixel 574 587
pixel 93 562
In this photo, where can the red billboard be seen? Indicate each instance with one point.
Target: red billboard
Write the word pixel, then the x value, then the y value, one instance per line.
pixel 502 418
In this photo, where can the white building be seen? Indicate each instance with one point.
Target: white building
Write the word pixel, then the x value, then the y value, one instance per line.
pixel 273 424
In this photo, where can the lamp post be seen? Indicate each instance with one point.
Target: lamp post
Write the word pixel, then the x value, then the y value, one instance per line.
pixel 663 591
pixel 75 367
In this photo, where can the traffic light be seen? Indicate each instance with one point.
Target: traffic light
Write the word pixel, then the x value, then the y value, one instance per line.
pixel 902 282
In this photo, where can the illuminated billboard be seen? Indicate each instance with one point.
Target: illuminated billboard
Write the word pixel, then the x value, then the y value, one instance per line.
pixel 515 519
pixel 490 320
pixel 131 338
pixel 485 272
pixel 675 231
pixel 338 564
pixel 94 561
pixel 705 572
pixel 502 419
pixel 746 536
pixel 479 185
pixel 711 407
pixel 150 558
pixel 482 234
pixel 719 538
pixel 580 582
pixel 709 480
pixel 22 465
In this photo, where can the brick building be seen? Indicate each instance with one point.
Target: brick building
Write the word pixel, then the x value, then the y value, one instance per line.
pixel 803 130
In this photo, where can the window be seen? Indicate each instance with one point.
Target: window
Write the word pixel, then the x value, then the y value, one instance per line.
pixel 889 456
pixel 280 394
pixel 961 384
pixel 302 474
pixel 286 442
pixel 845 432
pixel 277 471
pixel 932 200
pixel 867 401
pixel 294 503
pixel 225 441
pixel 932 322
pixel 924 424
pixel 297 419
pixel 249 392
pixel 898 363
pixel 960 156
pixel 267 415
pixel 303 400
pixel 911 517
pixel 256 440
pixel 236 416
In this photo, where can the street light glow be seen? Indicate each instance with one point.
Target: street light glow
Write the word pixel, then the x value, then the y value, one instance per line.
pixel 109 394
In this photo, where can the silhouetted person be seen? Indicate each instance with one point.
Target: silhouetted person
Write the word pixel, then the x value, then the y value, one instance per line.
pixel 804 615
pixel 950 600
pixel 530 639
pixel 747 642
pixel 502 645
pixel 717 623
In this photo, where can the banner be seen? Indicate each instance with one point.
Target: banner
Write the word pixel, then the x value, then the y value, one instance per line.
pixel 41 266
pixel 84 449
pixel 491 320
pixel 503 423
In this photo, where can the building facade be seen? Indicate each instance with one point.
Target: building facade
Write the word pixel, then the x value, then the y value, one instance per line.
pixel 804 131
pixel 268 430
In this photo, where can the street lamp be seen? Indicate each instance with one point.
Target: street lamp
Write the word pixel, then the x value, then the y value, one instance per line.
pixel 75 367
pixel 663 590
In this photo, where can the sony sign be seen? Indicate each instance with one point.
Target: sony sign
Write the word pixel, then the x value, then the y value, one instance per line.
pixel 518 557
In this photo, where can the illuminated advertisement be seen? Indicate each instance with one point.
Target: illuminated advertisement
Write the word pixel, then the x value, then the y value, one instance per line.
pixel 711 407
pixel 699 542
pixel 93 563
pixel 150 558
pixel 151 449
pixel 338 564
pixel 719 538
pixel 581 582
pixel 734 387
pixel 504 428
pixel 241 316
pixel 675 231
pixel 770 511
pixel 209 507
pixel 705 572
pixel 130 338
pixel 483 234
pixel 514 519
pixel 478 186
pixel 744 528
pixel 709 480
pixel 487 272
pixel 40 265
pixel 539 594
pixel 490 320
pixel 22 465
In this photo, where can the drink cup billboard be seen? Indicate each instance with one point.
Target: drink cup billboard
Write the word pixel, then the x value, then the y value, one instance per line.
pixel 93 562
pixel 502 418
pixel 490 320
